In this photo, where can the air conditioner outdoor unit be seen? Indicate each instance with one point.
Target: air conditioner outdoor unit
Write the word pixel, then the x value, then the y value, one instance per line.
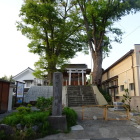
pixel 118 106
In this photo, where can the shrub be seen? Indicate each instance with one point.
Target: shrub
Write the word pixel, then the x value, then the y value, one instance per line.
pixel 23 110
pixel 44 104
pixel 127 99
pixel 29 105
pixel 12 119
pixel 3 136
pixel 26 119
pixel 71 116
pixel 106 95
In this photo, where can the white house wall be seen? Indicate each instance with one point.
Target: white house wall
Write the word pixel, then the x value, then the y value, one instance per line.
pixel 25 76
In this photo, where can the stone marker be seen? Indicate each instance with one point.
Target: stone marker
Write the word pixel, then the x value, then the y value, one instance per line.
pixel 57 94
pixel 57 121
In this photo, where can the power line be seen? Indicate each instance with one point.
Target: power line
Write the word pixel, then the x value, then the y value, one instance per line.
pixel 131 32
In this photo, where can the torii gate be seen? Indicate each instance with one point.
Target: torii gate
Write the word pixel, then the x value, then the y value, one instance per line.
pixel 76 70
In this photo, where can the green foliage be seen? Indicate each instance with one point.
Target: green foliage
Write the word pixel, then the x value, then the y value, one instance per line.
pixel 23 110
pixel 29 134
pixel 12 119
pixel 29 105
pixel 44 104
pixel 26 117
pixel 97 18
pixel 35 118
pixel 71 116
pixel 45 129
pixel 6 78
pixel 106 95
pixel 32 118
pixel 54 33
pixel 3 136
pixel 127 99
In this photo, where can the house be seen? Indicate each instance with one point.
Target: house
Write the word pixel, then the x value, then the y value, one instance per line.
pixel 124 74
pixel 27 77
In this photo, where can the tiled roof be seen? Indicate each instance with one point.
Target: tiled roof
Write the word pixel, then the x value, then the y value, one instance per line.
pixel 76 66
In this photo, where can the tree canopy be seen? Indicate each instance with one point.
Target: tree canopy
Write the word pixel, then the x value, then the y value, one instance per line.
pixel 6 78
pixel 59 29
pixel 98 18
pixel 54 33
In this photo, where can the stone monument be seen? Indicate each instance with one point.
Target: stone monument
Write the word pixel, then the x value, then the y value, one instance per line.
pixel 57 121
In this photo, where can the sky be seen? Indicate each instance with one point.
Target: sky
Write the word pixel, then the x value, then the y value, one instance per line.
pixel 15 55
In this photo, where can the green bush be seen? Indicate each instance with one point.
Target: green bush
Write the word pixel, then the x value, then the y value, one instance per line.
pixel 106 95
pixel 127 99
pixel 23 110
pixel 29 105
pixel 44 104
pixel 12 119
pixel 71 116
pixel 30 134
pixel 29 119
pixel 3 136
pixel 35 118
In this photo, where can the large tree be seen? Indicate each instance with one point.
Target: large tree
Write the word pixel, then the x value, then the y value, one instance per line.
pixel 54 33
pixel 98 17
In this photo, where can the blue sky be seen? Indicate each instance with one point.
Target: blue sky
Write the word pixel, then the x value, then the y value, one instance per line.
pixel 14 55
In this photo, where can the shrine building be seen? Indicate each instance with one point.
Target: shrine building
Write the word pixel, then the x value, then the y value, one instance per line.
pixel 75 74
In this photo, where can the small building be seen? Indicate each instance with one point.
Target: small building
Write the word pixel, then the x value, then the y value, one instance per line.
pixel 6 92
pixel 75 74
pixel 124 74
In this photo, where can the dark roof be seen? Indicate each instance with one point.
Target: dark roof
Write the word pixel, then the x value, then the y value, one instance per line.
pixel 23 71
pixel 119 60
pixel 76 66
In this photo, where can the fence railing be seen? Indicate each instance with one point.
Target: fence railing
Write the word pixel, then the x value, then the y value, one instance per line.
pixel 106 116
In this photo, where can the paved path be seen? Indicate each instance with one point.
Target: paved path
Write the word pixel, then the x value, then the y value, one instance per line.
pixel 100 129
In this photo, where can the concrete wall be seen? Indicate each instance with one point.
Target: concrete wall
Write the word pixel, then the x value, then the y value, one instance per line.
pixel 43 91
pixel 10 97
pixel 135 103
pixel 99 97
pixel 137 68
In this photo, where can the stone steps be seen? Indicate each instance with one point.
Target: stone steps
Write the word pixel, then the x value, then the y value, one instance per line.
pixel 80 96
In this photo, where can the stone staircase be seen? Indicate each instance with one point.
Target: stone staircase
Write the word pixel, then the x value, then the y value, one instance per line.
pixel 80 96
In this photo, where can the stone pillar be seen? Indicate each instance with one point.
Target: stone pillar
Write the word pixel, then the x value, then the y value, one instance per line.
pixel 82 77
pixel 57 94
pixel 57 121
pixel 69 77
pixel 78 80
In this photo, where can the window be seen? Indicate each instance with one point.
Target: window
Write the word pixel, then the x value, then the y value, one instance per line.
pixel 131 86
pixel 122 88
pixel 28 84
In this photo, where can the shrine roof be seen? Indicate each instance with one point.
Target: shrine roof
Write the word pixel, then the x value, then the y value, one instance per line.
pixel 76 66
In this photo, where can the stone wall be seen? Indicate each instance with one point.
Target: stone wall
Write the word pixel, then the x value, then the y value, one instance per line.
pixel 43 91
pixel 38 91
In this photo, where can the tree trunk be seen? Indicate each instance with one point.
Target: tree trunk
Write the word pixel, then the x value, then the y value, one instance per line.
pixel 51 70
pixel 97 67
pixel 50 78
